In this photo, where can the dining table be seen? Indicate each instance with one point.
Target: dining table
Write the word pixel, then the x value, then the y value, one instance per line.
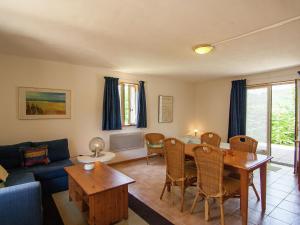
pixel 244 163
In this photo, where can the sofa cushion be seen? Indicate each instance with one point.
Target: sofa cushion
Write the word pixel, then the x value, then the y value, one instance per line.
pixel 57 149
pixel 50 171
pixel 35 156
pixel 19 178
pixel 10 155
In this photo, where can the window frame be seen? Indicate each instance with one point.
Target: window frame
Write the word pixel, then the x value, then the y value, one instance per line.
pixel 122 102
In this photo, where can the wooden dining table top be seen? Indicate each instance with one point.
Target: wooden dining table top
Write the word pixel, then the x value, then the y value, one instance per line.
pixel 238 159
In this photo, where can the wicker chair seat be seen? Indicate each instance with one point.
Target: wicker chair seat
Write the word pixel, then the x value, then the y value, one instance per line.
pixel 190 172
pixel 231 186
pixel 159 146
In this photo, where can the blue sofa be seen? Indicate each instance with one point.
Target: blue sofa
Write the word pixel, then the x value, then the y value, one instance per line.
pixel 20 199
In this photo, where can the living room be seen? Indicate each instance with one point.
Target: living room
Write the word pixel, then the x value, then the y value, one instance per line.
pixel 71 48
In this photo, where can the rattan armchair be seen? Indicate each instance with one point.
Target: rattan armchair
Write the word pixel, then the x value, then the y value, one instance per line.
pixel 155 144
pixel 245 144
pixel 210 138
pixel 210 180
pixel 178 173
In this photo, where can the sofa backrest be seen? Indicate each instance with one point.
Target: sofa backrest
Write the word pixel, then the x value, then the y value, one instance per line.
pixel 11 156
pixel 57 149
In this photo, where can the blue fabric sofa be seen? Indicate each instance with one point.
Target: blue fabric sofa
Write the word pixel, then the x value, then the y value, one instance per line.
pixel 20 199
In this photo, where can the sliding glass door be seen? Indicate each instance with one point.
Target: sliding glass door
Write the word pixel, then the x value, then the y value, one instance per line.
pixel 257 125
pixel 283 123
pixel 271 120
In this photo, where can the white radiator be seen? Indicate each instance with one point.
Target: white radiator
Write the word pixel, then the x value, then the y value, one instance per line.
pixel 126 141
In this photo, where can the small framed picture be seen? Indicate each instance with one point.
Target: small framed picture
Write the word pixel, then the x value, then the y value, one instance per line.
pixel 165 109
pixel 42 103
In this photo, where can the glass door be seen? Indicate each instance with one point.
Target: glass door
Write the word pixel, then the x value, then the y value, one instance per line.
pixel 257 123
pixel 271 120
pixel 283 123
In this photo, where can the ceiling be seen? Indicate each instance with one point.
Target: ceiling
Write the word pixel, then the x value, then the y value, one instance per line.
pixel 154 37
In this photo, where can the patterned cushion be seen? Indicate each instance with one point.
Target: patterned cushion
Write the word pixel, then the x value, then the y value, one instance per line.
pixel 35 156
pixel 156 145
pixel 3 174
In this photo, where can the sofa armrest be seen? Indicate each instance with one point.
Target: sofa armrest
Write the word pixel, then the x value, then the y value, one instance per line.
pixel 21 204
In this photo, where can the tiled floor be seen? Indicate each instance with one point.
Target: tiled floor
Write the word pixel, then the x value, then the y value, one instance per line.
pixel 283 199
pixel 283 154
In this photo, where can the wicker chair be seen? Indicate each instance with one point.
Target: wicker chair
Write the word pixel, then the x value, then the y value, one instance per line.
pixel 210 180
pixel 245 144
pixel 211 139
pixel 177 172
pixel 155 144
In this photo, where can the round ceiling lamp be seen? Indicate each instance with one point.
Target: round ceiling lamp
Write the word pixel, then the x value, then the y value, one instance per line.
pixel 203 49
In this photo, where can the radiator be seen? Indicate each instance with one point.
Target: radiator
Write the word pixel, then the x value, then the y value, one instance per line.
pixel 126 141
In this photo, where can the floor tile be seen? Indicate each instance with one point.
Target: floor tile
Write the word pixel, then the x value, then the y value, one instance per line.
pixel 281 208
pixel 284 216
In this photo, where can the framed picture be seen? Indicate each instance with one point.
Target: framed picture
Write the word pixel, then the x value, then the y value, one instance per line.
pixel 165 109
pixel 42 103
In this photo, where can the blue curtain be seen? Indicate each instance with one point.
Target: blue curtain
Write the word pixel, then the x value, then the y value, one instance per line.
pixel 111 116
pixel 142 109
pixel 237 113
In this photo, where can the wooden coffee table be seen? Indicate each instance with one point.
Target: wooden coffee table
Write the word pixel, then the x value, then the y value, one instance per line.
pixel 103 192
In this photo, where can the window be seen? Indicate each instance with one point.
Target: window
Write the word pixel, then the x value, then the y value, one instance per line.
pixel 128 100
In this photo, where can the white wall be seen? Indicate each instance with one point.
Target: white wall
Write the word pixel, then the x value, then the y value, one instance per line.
pixel 86 84
pixel 213 98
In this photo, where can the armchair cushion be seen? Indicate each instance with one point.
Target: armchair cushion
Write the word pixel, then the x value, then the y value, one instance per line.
pixel 19 178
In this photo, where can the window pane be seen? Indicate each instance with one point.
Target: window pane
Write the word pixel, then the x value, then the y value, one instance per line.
pixel 133 104
pixel 126 104
pixel 257 116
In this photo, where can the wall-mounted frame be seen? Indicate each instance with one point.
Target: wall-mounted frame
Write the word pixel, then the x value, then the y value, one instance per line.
pixel 165 109
pixel 42 103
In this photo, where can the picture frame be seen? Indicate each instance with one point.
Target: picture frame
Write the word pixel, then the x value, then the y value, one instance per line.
pixel 165 109
pixel 43 103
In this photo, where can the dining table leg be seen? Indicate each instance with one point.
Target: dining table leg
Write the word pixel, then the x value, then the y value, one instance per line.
pixel 263 185
pixel 244 176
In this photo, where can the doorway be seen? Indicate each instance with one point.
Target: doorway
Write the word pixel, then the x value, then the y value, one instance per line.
pixel 271 120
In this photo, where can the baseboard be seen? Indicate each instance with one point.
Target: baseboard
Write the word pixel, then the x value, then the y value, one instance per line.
pixel 126 161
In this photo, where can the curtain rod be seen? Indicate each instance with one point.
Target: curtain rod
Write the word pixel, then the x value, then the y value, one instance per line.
pixel 271 83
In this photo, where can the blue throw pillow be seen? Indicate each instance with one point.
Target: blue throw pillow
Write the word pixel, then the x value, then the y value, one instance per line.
pixel 10 155
pixel 57 149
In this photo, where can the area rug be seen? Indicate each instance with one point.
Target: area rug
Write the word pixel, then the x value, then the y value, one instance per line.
pixel 58 210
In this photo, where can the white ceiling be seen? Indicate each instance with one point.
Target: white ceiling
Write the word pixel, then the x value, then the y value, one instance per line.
pixel 154 37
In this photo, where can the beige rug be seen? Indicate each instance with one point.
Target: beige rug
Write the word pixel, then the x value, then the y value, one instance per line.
pixel 71 215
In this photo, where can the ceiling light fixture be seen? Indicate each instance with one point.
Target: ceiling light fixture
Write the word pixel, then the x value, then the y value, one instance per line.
pixel 203 49
pixel 206 48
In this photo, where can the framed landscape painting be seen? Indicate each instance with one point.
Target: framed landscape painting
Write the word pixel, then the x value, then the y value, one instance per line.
pixel 42 103
pixel 165 109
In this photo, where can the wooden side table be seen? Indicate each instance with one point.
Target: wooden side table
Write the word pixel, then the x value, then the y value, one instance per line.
pixel 103 192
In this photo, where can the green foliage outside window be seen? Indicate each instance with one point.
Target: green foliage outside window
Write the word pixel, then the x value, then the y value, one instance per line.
pixel 283 116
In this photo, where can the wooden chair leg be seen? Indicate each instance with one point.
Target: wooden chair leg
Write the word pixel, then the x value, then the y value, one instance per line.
pixel 169 186
pixel 195 201
pixel 147 159
pixel 255 191
pixel 206 205
pixel 163 191
pixel 222 211
pixel 182 197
